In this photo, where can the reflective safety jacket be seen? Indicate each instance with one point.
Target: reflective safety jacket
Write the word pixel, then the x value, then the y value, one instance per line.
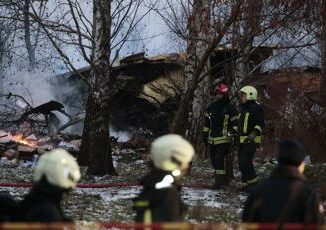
pixel 251 120
pixel 221 116
pixel 159 200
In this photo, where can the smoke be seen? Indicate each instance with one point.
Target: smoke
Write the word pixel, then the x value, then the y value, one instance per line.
pixel 34 86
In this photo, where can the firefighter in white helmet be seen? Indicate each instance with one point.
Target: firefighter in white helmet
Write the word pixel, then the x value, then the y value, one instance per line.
pixel 160 200
pixel 56 173
pixel 250 129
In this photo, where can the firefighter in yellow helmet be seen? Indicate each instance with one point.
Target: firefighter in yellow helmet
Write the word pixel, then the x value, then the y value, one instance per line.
pixel 160 199
pixel 56 173
pixel 250 129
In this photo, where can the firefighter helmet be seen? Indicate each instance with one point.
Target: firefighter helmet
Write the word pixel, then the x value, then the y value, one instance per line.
pixel 171 152
pixel 59 168
pixel 223 89
pixel 251 92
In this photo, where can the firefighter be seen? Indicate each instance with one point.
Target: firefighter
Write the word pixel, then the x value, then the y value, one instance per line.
pixel 160 199
pixel 286 196
pixel 250 128
pixel 56 173
pixel 220 121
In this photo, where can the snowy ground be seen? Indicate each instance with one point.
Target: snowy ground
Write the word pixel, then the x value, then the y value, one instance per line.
pixel 115 204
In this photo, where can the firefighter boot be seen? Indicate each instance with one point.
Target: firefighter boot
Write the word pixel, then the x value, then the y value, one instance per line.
pixel 220 181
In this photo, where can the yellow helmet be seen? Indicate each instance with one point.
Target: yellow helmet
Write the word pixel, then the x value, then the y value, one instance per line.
pixel 59 168
pixel 171 152
pixel 251 92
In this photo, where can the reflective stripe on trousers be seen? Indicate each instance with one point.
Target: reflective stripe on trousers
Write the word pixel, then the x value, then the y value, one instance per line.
pixel 258 139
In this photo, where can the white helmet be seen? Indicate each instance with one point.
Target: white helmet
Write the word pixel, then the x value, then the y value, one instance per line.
pixel 251 92
pixel 59 168
pixel 170 152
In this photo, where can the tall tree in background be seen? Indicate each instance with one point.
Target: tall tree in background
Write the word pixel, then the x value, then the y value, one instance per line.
pixel 245 31
pixel 8 29
pixel 31 42
pixel 322 18
pixel 199 27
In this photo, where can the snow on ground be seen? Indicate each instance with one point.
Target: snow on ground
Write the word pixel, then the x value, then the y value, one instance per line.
pixel 115 204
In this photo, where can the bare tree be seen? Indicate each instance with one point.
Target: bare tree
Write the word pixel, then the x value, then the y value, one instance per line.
pixel 322 13
pixel 99 42
pixel 8 29
pixel 240 26
pixel 250 13
pixel 206 24
pixel 28 33
pixel 199 27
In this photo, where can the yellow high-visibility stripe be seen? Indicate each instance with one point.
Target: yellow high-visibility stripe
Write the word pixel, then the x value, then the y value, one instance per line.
pixel 245 125
pixel 225 124
pixel 243 183
pixel 257 140
pixel 148 217
pixel 205 129
pixel 253 181
pixel 220 172
pixel 234 118
pixel 219 140
pixel 258 127
pixel 210 124
pixel 141 203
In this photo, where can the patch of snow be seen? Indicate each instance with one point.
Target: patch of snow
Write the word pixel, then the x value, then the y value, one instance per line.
pixel 68 145
pixel 112 194
pixel 204 197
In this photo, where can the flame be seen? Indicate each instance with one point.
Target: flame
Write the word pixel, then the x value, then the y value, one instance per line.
pixel 19 138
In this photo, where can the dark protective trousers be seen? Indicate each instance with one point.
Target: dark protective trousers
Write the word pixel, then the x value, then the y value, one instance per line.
pixel 246 155
pixel 218 155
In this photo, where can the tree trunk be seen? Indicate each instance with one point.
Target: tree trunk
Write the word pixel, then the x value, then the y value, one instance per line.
pixel 2 69
pixel 95 150
pixel 202 91
pixel 27 28
pixel 251 21
pixel 194 70
pixel 323 50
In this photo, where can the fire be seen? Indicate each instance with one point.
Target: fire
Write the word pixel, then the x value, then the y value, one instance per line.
pixel 19 138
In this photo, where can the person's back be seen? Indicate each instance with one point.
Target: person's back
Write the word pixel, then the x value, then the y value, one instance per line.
pixel 160 201
pixel 43 204
pixel 162 204
pixel 57 172
pixel 286 196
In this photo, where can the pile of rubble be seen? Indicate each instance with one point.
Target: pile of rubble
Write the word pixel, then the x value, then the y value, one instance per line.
pixel 15 146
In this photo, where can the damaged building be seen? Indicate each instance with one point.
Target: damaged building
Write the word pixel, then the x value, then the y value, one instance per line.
pixel 152 89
